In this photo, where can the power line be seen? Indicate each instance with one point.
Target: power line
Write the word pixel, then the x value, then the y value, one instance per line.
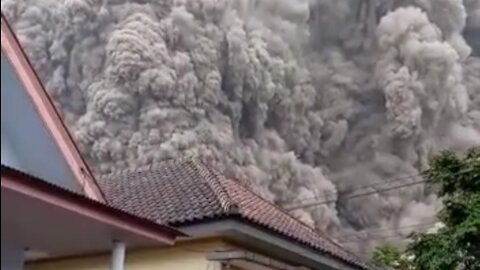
pixel 391 230
pixel 315 203
pixel 419 225
pixel 378 238
pixel 387 181
pixel 308 205
pixel 381 237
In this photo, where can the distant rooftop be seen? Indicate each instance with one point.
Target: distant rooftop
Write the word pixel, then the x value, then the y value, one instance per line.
pixel 187 192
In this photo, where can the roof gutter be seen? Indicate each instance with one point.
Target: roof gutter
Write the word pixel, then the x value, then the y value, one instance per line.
pixel 234 257
pixel 266 242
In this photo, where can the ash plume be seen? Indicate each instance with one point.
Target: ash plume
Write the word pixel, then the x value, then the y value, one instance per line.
pixel 302 99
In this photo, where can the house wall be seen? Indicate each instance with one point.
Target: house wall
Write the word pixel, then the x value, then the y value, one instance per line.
pixel 188 256
pixel 9 156
pixel 230 267
pixel 12 256
pixel 27 144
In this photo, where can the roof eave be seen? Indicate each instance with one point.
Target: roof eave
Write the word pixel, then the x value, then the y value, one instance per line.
pixel 244 232
pixel 34 187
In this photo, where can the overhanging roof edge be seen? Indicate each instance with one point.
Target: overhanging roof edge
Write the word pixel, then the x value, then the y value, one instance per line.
pixel 47 112
pixel 22 183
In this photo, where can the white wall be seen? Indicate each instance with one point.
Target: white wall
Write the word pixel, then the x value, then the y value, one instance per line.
pixel 12 257
pixel 9 157
pixel 28 144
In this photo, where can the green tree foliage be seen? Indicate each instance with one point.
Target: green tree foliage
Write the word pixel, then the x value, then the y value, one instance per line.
pixel 456 245
pixel 390 257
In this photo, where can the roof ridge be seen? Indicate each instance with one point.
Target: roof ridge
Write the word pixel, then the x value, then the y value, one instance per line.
pixel 218 176
pixel 303 224
pixel 226 202
pixel 143 168
pixel 277 207
pixel 202 192
pixel 241 184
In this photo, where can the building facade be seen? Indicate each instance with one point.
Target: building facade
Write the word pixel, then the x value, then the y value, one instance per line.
pixel 51 205
pixel 177 215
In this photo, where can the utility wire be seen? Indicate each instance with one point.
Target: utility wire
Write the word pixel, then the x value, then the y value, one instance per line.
pixel 378 238
pixel 389 230
pixel 312 204
pixel 419 225
pixel 315 202
pixel 387 181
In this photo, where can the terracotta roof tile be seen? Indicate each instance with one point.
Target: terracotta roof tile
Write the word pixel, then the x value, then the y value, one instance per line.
pixel 78 198
pixel 179 192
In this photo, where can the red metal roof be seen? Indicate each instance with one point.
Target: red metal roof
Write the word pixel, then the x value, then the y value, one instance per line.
pixel 183 192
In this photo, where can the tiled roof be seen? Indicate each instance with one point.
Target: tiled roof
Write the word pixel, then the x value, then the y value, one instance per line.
pixel 181 192
pixel 39 184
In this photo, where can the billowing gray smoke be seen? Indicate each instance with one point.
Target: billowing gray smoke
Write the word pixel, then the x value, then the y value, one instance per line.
pixel 304 99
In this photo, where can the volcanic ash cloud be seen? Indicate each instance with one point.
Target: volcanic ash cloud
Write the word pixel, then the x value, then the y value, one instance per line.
pixel 307 100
